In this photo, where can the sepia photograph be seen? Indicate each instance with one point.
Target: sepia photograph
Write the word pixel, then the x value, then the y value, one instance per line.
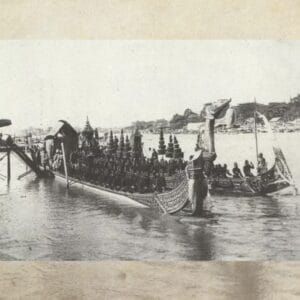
pixel 149 150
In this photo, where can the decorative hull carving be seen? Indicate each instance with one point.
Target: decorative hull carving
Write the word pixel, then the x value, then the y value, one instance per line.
pixel 197 184
pixel 189 187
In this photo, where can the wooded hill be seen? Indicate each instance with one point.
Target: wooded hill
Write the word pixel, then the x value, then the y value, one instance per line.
pixel 287 111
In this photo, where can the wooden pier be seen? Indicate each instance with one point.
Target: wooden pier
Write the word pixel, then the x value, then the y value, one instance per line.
pixel 7 150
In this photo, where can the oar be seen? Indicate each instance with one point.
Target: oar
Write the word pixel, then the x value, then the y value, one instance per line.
pixel 24 174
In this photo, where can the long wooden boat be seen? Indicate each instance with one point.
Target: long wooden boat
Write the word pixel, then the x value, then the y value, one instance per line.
pixel 171 201
pixel 187 188
pixel 275 179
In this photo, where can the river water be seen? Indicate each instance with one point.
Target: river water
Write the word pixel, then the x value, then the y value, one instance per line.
pixel 41 220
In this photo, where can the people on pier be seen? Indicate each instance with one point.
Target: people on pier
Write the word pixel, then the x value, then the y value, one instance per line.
pixel 225 171
pixel 57 162
pixel 216 171
pixel 35 153
pixel 247 169
pixel 44 159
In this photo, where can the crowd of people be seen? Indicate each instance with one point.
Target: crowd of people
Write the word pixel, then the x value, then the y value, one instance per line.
pixel 40 156
pixel 124 173
pixel 128 174
pixel 219 171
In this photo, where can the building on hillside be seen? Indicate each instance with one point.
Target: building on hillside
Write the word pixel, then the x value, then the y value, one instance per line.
pixel 277 109
pixel 297 122
pixel 293 125
pixel 247 126
pixel 275 120
pixel 277 123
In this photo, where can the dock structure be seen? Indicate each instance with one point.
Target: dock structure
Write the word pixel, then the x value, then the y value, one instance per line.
pixel 9 148
pixel 6 155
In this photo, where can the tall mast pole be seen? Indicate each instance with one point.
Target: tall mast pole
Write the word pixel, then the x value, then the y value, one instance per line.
pixel 255 132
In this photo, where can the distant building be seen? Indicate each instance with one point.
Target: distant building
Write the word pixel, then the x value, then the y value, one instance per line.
pixel 249 121
pixel 295 125
pixel 297 121
pixel 278 124
pixel 295 99
pixel 194 126
pixel 275 120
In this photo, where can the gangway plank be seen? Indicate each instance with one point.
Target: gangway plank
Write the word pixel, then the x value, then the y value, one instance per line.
pixel 27 160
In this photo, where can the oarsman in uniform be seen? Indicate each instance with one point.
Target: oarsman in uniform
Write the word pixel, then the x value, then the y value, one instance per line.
pixel 236 171
pixel 219 170
pixel 74 164
pixel 44 159
pixel 154 155
pixel 247 169
pixel 37 155
pixel 225 171
pixel 262 164
pixel 60 161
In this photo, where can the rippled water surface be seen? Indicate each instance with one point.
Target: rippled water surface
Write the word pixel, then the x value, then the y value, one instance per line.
pixel 41 220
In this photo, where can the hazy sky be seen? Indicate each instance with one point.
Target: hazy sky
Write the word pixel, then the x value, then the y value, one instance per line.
pixel 117 82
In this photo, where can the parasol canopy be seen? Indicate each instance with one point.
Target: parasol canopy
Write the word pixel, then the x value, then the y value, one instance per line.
pixel 5 122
